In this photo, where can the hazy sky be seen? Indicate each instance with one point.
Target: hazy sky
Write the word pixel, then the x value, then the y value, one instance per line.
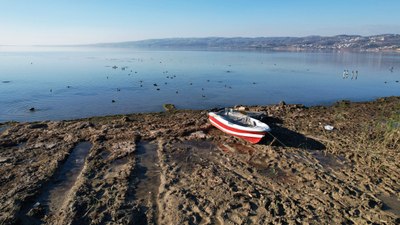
pixel 95 21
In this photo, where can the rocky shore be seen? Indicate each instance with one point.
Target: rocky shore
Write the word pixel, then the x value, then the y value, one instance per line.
pixel 175 168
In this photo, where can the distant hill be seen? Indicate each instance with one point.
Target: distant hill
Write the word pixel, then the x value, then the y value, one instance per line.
pixel 384 42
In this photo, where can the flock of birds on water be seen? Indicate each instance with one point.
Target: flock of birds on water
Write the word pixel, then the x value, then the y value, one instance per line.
pixel 157 86
pixel 346 75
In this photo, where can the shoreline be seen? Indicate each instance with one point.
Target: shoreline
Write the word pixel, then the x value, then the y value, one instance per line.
pixel 323 104
pixel 174 167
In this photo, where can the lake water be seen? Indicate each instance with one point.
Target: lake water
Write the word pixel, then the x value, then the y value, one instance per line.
pixel 67 83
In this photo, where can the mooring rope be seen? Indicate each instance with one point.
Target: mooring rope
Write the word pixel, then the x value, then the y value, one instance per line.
pixel 275 138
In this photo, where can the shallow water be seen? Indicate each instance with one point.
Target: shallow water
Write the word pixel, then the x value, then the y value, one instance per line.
pixel 53 194
pixel 147 170
pixel 390 203
pixel 67 83
pixel 66 177
pixel 3 128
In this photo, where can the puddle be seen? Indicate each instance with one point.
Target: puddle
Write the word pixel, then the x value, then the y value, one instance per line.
pixel 236 148
pixel 147 171
pixel 53 194
pixel 146 181
pixel 328 160
pixel 3 128
pixel 192 152
pixel 390 203
pixel 273 173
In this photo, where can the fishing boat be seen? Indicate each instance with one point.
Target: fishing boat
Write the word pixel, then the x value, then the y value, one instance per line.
pixel 238 124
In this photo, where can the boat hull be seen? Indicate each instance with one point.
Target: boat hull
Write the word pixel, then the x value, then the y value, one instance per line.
pixel 250 136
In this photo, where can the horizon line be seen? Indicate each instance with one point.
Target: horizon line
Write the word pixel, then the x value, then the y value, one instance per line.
pixel 150 39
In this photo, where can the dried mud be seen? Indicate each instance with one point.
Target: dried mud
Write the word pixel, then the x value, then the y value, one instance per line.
pixel 175 168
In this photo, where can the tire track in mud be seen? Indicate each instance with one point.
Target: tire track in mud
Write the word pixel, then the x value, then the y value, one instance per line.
pixel 144 183
pixel 53 194
pixel 103 187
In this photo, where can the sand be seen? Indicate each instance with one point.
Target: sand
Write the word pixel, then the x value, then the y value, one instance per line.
pixel 175 168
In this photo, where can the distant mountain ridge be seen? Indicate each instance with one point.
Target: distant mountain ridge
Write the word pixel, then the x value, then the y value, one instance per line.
pixel 384 42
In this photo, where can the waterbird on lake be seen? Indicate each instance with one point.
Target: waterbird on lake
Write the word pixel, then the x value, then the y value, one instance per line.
pixel 391 69
pixel 114 67
pixel 155 85
pixel 158 89
pixel 113 101
pixel 32 109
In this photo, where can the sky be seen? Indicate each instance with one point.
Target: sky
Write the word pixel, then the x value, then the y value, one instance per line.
pixel 52 22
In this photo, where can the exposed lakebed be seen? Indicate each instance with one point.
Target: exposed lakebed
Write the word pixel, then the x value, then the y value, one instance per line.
pixel 175 168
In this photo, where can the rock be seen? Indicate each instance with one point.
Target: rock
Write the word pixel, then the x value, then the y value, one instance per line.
pixel 240 108
pixel 38 126
pixel 126 119
pixel 4 159
pixel 37 211
pixel 198 135
pixel 169 107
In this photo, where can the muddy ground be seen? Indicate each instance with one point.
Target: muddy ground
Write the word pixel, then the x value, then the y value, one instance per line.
pixel 175 168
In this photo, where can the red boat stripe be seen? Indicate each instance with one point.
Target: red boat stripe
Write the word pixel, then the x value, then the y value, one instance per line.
pixel 243 135
pixel 253 138
pixel 234 129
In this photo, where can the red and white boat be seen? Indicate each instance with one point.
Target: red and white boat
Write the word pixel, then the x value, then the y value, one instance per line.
pixel 240 125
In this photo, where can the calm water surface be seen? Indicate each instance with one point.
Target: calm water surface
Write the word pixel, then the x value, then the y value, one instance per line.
pixel 67 83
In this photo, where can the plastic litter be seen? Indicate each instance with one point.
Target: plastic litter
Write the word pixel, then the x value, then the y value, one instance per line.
pixel 328 127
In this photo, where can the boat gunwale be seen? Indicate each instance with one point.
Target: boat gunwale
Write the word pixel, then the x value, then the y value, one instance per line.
pixel 260 127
